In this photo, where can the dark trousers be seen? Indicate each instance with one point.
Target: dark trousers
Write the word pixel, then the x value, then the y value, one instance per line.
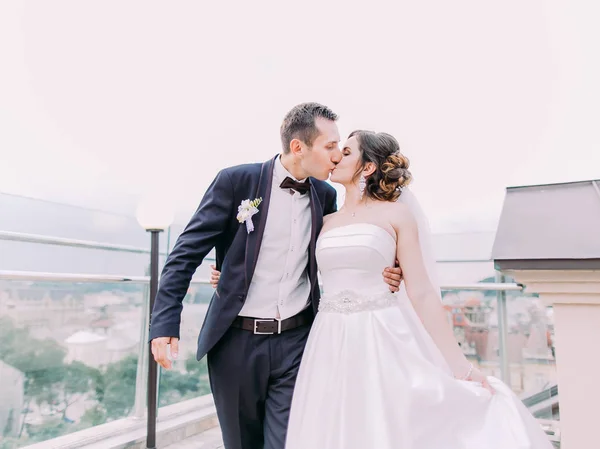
pixel 252 378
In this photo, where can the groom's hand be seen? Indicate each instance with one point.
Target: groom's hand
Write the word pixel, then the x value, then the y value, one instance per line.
pixel 393 277
pixel 214 276
pixel 159 350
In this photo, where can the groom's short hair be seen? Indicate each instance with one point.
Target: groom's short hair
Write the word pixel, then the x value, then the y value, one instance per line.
pixel 299 123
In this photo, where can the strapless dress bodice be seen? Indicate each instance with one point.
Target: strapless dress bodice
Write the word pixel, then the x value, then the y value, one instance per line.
pixel 351 261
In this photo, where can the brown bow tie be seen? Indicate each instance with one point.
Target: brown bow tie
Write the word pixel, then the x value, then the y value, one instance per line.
pixel 300 187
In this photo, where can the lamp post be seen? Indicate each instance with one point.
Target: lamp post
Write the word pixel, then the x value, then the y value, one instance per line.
pixel 154 216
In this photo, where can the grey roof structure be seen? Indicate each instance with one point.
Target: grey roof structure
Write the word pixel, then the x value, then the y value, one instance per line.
pixel 552 226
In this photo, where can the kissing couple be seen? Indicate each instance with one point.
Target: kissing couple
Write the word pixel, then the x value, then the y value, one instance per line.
pixel 371 362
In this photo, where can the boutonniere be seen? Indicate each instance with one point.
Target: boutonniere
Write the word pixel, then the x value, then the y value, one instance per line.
pixel 245 211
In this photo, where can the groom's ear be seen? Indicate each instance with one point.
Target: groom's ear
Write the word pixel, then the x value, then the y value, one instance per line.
pixel 295 147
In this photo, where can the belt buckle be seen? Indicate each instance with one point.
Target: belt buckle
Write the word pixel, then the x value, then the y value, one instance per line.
pixel 256 332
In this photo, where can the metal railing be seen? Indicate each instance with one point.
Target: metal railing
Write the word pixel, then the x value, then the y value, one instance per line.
pixel 76 243
pixel 72 243
pixel 90 244
pixel 101 278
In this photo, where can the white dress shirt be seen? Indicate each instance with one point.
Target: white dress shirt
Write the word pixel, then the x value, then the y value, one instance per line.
pixel 280 286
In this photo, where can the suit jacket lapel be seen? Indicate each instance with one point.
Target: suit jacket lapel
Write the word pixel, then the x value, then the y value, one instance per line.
pixel 316 224
pixel 254 239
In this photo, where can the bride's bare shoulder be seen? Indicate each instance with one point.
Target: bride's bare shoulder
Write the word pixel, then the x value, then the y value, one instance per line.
pixel 397 209
pixel 400 214
pixel 328 217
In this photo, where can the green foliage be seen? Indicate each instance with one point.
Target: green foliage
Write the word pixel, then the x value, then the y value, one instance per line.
pixel 52 427
pixel 176 386
pixel 10 443
pixel 55 385
pixel 93 417
pixel 115 389
pixel 48 380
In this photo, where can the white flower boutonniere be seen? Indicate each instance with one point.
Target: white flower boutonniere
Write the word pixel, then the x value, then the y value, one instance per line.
pixel 245 212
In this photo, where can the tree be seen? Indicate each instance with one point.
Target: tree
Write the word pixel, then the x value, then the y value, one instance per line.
pixel 93 417
pixel 10 443
pixel 115 388
pixel 78 380
pixel 176 386
pixel 51 382
pixel 52 427
pixel 41 362
pixel 48 380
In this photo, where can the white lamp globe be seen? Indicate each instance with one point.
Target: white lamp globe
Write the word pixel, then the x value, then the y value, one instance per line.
pixel 155 213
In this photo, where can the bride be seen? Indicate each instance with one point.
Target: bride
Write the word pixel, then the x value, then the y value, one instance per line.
pixel 383 370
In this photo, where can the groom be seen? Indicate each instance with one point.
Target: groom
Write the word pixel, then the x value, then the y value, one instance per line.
pixel 259 317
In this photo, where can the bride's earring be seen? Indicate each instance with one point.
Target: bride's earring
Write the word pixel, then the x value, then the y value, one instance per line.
pixel 362 184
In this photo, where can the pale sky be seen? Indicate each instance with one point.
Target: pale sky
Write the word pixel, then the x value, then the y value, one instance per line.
pixel 103 101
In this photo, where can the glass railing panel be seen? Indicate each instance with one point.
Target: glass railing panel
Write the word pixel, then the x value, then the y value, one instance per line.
pixel 68 359
pixel 527 364
pixel 188 378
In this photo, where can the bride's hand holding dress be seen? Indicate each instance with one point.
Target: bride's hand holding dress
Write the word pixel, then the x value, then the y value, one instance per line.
pixel 424 298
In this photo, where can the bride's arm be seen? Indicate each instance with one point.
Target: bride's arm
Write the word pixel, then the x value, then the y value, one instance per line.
pixel 424 298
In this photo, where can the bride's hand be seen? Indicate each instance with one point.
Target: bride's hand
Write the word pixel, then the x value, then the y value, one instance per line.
pixel 478 376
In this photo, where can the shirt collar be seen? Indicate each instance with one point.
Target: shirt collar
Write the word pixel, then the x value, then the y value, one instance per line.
pixel 281 172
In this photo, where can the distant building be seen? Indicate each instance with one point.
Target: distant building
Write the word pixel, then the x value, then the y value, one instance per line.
pixel 32 305
pixel 88 348
pixel 11 405
pixel 529 338
pixel 100 349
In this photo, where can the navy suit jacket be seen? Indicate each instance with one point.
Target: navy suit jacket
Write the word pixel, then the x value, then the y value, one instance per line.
pixel 214 225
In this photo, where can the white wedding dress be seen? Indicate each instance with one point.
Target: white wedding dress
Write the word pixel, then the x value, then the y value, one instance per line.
pixel 372 378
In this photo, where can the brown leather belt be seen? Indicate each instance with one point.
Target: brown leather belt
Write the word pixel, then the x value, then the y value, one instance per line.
pixel 261 326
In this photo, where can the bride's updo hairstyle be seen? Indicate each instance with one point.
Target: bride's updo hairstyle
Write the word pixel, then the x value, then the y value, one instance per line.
pixel 391 173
